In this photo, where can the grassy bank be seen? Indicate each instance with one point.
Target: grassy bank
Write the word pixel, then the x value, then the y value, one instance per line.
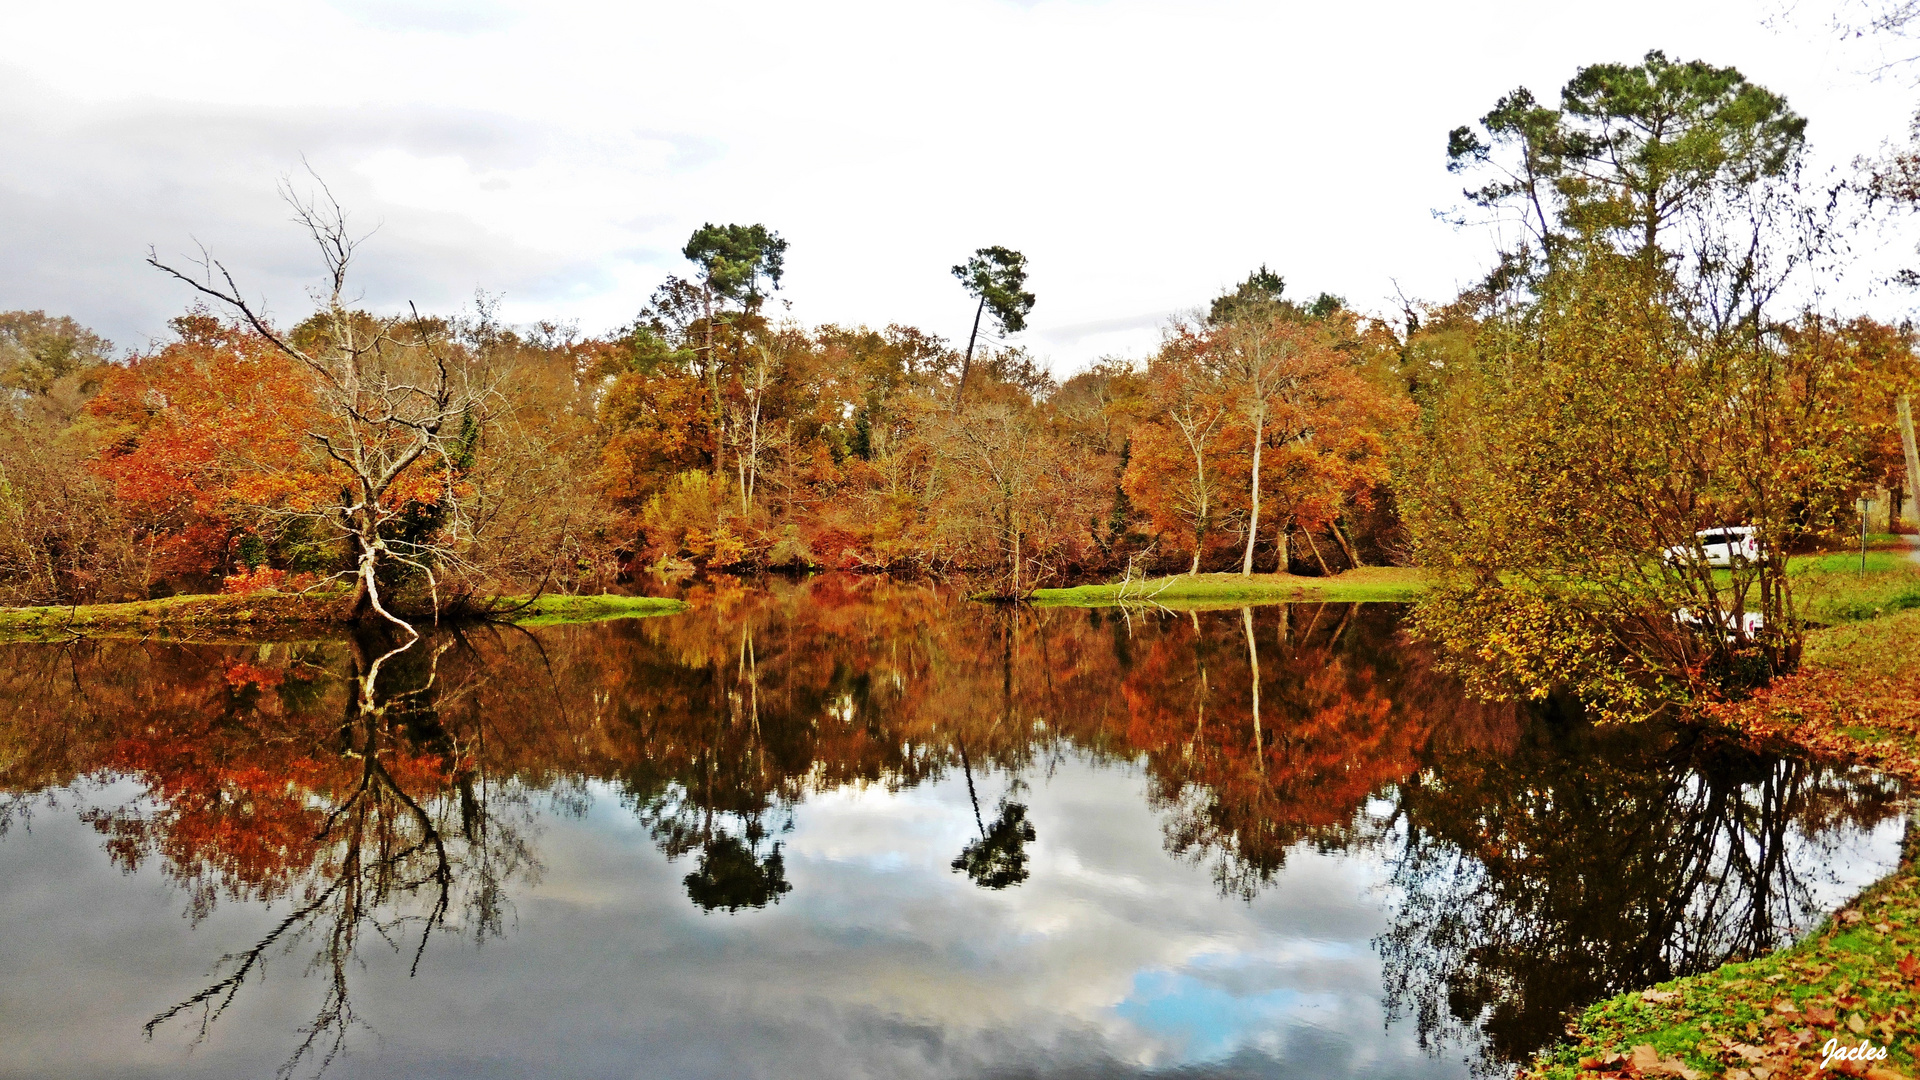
pixel 1856 698
pixel 555 610
pixel 1834 589
pixel 1231 590
pixel 263 613
pixel 169 616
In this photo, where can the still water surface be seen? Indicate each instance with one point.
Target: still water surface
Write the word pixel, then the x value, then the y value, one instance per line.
pixel 843 828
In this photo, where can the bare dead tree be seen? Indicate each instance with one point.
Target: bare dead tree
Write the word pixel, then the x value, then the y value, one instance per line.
pixel 1188 394
pixel 401 404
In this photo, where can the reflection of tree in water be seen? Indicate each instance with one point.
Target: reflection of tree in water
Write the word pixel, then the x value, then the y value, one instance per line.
pixel 1591 861
pixel 736 866
pixel 716 798
pixel 733 875
pixel 998 859
pixel 716 725
pixel 410 841
pixel 1265 730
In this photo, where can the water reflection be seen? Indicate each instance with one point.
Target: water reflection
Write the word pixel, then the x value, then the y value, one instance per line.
pixel 1533 882
pixel 1527 863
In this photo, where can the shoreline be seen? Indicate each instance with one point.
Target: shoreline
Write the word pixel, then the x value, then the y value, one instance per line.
pixel 1367 584
pixel 200 614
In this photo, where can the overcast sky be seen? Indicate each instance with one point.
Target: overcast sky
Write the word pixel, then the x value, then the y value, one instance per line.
pixel 1142 154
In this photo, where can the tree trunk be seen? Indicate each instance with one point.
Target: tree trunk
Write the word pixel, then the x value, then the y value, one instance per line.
pixel 1199 540
pixel 1353 557
pixel 1315 548
pixel 713 388
pixel 753 439
pixel 362 600
pixel 1283 559
pixel 1201 520
pixel 1904 411
pixel 1016 554
pixel 740 467
pixel 966 365
pixel 1253 515
pixel 361 605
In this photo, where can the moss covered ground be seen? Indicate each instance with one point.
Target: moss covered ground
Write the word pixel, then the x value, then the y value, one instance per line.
pixel 168 616
pixel 1368 583
pixel 554 610
pixel 197 616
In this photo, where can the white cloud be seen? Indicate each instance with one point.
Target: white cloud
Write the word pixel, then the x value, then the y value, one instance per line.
pixel 1142 154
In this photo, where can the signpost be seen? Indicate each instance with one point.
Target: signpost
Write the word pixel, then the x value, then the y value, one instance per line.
pixel 1865 505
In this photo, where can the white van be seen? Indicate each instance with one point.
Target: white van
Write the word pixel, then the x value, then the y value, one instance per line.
pixel 1722 547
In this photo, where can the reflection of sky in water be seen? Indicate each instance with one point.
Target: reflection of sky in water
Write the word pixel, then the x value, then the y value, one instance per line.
pixel 1203 1020
pixel 1113 959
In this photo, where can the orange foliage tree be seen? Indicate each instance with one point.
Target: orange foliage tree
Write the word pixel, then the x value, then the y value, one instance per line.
pixel 1271 409
pixel 203 439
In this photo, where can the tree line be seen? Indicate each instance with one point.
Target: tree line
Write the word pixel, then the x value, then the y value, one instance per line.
pixel 444 458
pixel 1633 370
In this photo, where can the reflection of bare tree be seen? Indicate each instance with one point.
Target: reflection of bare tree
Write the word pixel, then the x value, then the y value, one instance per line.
pixel 404 852
pixel 1533 883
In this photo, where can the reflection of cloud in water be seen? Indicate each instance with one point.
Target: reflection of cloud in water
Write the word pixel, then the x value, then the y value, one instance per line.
pixel 883 962
pixel 1110 953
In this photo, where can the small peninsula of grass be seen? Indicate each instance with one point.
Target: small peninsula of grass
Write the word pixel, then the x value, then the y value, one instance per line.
pixel 1367 583
pixel 167 616
pixel 264 612
pixel 554 609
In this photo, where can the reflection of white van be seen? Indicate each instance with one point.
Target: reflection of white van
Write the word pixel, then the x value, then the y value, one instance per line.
pixel 1750 622
pixel 1722 547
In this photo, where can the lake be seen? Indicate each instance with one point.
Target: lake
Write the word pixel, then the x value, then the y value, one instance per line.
pixel 842 827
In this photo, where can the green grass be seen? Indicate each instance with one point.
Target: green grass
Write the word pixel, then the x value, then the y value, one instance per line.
pixel 172 616
pixel 199 615
pixel 1370 583
pixel 1833 589
pixel 1853 699
pixel 557 610
pixel 1848 562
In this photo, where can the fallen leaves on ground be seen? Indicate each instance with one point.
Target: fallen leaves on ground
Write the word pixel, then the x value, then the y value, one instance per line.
pixel 1857 698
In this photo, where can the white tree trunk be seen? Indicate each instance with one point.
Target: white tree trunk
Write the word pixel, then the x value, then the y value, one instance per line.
pixel 1904 410
pixel 1253 514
